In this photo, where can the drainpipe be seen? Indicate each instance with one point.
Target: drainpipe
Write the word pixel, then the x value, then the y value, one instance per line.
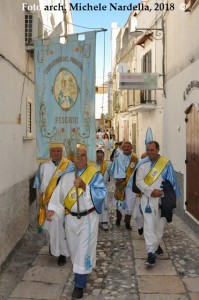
pixel 163 59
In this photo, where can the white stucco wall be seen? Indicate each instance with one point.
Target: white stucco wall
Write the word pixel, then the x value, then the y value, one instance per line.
pixel 11 86
pixel 174 119
pixel 152 119
pixel 182 67
pixel 18 155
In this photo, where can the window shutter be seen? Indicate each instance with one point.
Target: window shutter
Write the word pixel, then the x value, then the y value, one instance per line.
pixel 28 117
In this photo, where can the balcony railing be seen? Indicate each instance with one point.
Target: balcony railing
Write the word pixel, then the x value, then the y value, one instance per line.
pixel 144 105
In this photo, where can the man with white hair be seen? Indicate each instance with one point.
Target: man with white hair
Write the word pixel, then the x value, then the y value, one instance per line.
pixel 80 196
pixel 46 181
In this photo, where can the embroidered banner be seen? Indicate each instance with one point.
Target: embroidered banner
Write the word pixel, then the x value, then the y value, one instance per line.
pixel 65 94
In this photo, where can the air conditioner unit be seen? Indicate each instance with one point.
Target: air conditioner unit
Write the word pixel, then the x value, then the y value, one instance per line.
pixel 31 29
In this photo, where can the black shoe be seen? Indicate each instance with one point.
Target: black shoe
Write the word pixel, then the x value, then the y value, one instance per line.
pixel 117 223
pixel 118 218
pixel 159 251
pixel 49 251
pixel 77 293
pixel 150 260
pixel 128 226
pixel 61 260
pixel 140 231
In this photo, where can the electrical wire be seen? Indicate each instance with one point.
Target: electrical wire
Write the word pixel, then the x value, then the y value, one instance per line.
pixel 51 30
pixel 23 84
pixel 83 26
pixel 15 67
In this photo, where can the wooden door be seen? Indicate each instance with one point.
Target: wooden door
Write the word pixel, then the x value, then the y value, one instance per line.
pixel 192 149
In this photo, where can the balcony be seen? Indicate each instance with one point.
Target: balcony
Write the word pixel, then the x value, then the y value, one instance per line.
pixel 143 106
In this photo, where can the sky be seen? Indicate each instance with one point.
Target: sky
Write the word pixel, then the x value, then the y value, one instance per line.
pixel 101 19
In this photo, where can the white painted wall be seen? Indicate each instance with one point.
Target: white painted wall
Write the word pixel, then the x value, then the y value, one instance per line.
pixel 18 155
pixel 152 118
pixel 182 66
pixel 175 105
pixel 11 85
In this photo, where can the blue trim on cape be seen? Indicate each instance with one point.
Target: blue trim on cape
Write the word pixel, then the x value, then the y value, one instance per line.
pixel 98 190
pixel 167 174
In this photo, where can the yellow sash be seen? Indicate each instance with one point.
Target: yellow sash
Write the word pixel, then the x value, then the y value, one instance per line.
pixel 131 167
pixel 71 197
pixel 49 190
pixel 155 172
pixel 53 182
pixel 103 167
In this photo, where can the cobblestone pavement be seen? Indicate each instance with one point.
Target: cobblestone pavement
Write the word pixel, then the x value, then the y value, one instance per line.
pixel 114 275
pixel 183 251
pixel 120 273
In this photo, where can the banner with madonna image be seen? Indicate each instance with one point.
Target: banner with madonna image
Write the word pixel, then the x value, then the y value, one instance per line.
pixel 65 94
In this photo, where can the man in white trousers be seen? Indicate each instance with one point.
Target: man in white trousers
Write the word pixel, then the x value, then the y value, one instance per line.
pixel 122 170
pixel 150 174
pixel 80 196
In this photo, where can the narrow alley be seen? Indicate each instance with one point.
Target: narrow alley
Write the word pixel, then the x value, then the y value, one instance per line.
pixel 31 273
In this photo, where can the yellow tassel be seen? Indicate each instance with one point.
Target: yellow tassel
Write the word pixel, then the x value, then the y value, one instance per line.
pixel 42 215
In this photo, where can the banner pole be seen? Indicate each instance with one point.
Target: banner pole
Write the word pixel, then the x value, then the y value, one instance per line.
pixel 78 33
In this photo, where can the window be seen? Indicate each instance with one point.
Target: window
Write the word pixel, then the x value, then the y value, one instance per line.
pixel 28 117
pixel 32 31
pixel 28 28
pixel 146 68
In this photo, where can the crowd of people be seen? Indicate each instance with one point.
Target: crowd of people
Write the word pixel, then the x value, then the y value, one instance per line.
pixel 74 200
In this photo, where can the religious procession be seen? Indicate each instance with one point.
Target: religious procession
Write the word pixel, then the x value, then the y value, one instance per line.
pixel 99 183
